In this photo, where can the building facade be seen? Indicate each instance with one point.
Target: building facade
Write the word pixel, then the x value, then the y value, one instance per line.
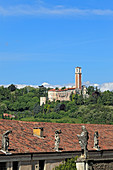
pixel 42 100
pixel 61 94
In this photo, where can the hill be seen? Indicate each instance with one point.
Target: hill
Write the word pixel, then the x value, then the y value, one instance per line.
pixel 24 105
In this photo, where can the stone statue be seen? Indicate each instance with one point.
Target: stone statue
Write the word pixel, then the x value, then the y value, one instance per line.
pixel 5 140
pixel 57 140
pixel 83 141
pixel 96 141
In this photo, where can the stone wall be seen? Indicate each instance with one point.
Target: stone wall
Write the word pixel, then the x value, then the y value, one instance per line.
pixel 102 166
pixel 50 164
pixel 25 165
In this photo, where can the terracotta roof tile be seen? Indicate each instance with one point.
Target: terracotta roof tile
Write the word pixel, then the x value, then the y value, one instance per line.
pixel 59 90
pixel 23 141
pixel 52 90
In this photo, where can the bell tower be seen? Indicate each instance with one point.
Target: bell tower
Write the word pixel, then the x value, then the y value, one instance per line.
pixel 78 77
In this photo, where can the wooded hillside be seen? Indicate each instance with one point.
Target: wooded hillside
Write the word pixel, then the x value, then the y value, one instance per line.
pixel 24 104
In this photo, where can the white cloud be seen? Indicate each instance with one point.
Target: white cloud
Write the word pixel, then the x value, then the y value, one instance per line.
pixel 51 86
pixel 102 12
pixel 106 86
pixel 87 83
pixel 20 86
pixel 102 87
pixel 56 10
pixel 45 84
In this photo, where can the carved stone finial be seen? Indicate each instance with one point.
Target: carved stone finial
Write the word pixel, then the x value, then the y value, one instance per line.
pixel 57 140
pixel 5 140
pixel 83 141
pixel 96 141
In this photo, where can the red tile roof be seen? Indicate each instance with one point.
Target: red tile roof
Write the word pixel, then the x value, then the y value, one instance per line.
pixel 71 88
pixel 8 115
pixel 62 89
pixel 52 90
pixel 22 139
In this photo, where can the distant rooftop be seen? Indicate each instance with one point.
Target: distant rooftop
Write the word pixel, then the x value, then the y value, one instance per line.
pixel 62 89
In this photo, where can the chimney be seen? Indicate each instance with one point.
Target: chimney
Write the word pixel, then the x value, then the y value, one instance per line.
pixel 38 131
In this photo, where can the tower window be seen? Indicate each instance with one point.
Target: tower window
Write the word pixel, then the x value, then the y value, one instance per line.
pixel 77 70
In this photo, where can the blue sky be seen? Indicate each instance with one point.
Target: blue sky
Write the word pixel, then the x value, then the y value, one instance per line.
pixel 44 40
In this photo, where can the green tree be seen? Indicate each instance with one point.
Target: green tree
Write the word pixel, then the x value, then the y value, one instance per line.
pixel 107 97
pixel 59 106
pixel 70 164
pixel 75 98
pixel 36 109
pixel 90 90
pixel 71 96
pixel 56 88
pixel 80 100
pixel 12 87
pixel 3 107
pixel 63 88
